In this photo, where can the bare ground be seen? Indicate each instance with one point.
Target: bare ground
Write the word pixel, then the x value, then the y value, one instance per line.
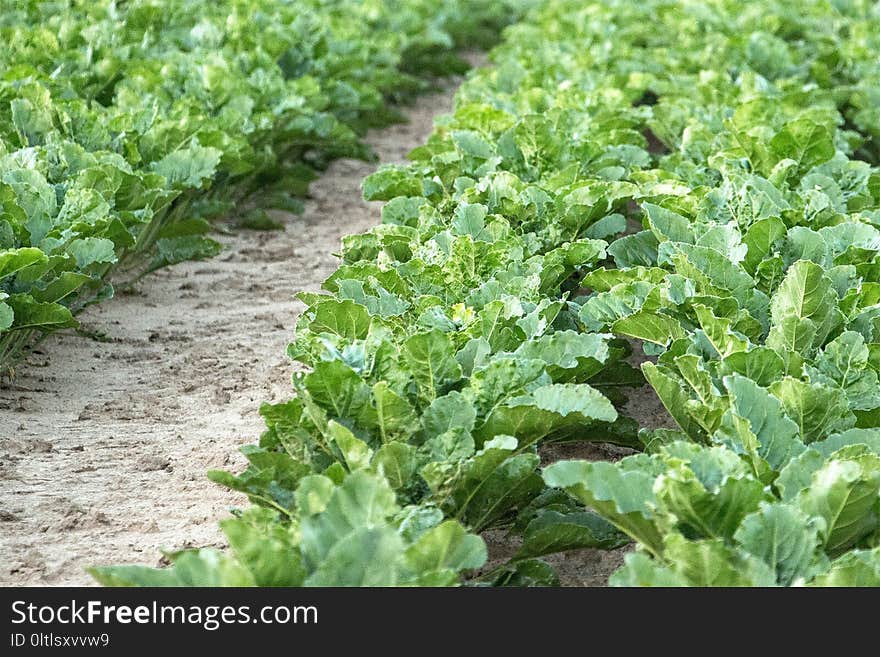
pixel 104 445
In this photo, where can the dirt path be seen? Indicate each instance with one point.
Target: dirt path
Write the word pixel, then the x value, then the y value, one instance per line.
pixel 104 445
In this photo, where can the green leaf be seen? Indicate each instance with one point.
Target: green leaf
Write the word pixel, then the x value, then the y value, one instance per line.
pixel 548 409
pixel 675 398
pixel 784 538
pixel 867 437
pixel 567 353
pixel 528 573
pixel 395 417
pixel 446 547
pixel 15 260
pixel 493 484
pixel 189 167
pixel 653 327
pixel 91 250
pixel 390 181
pixel 803 309
pixel 552 531
pixel 31 314
pixel 703 510
pixel 355 452
pixel 356 517
pixel 634 250
pixel 708 266
pixel 713 563
pixel 6 316
pixel 760 364
pixel 776 433
pixel 366 556
pixel 804 141
pixel 60 288
pixel 205 567
pixel 816 409
pixel 761 239
pixel 396 462
pixel 844 495
pixel 174 250
pixel 338 389
pixel 623 497
pixel 347 319
pixel 668 225
pixel 265 547
pixel 431 360
pixel 270 479
pixel 855 568
pixel 639 569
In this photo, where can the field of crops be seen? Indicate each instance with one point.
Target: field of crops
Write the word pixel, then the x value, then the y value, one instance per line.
pixel 670 199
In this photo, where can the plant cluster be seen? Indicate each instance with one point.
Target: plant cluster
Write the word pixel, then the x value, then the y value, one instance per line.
pixel 126 127
pixel 697 178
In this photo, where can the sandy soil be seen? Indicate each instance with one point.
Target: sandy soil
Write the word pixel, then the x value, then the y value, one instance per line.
pixel 104 445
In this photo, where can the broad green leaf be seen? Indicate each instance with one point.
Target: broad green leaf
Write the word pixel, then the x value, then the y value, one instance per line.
pixel 784 538
pixel 527 573
pixel 356 513
pixel 552 531
pixel 548 409
pixel 803 309
pixel 776 433
pixel 844 494
pixel 365 556
pixel 668 225
pixel 355 452
pixel 6 316
pixel 761 238
pixel 855 568
pixel 189 167
pixel 15 260
pixel 494 483
pixel 431 361
pixel 816 409
pixel 265 547
pixel 707 511
pixel 654 327
pixel 641 570
pixel 31 314
pixel 567 353
pixel 634 250
pixel 205 568
pixel 806 142
pixel 347 319
pixel 446 547
pixel 60 288
pixel 675 398
pixel 395 417
pixel 623 497
pixel 868 437
pixel 760 364
pixel 396 462
pixel 339 390
pixel 719 332
pixel 714 563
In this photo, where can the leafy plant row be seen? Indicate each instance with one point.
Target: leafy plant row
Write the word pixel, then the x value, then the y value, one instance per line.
pixel 126 127
pixel 699 179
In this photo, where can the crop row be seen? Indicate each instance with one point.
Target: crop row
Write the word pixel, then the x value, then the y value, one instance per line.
pixel 125 128
pixel 697 179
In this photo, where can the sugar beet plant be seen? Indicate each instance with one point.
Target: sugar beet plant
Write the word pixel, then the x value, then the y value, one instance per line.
pixel 126 127
pixel 700 177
